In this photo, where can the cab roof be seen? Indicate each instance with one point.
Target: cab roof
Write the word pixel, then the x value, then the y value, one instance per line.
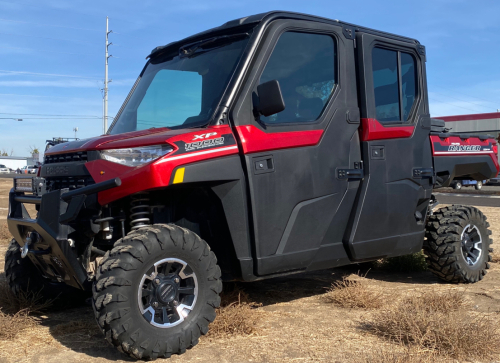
pixel 253 20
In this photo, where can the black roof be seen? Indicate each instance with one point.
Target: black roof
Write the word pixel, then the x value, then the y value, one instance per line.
pixel 272 15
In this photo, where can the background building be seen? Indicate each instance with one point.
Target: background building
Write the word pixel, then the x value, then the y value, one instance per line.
pixel 480 123
pixel 14 162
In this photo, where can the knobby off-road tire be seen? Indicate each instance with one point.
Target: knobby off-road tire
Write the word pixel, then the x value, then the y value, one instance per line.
pixel 128 285
pixel 23 277
pixel 458 244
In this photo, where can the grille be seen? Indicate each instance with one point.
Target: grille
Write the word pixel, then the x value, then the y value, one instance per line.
pixel 71 183
pixel 62 158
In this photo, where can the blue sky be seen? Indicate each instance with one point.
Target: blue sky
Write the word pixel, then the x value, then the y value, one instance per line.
pixel 52 53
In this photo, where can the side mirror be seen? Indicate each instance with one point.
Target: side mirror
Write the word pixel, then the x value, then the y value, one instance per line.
pixel 270 98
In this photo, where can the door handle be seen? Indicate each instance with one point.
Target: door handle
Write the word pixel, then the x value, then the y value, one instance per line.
pixel 263 164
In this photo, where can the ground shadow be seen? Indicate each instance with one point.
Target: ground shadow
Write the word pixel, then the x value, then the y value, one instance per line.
pixel 306 284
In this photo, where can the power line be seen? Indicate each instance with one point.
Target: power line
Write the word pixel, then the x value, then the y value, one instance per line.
pixel 449 103
pixel 459 99
pixel 47 74
pixel 40 114
pixel 34 36
pixel 59 118
pixel 464 94
pixel 50 25
pixel 45 51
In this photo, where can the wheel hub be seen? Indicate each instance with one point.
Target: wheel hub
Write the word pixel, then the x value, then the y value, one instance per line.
pixel 472 246
pixel 167 293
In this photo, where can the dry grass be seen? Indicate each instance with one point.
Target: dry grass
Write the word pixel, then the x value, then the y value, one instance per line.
pixel 33 303
pixel 353 293
pixel 16 312
pixel 439 322
pixel 12 324
pixel 237 315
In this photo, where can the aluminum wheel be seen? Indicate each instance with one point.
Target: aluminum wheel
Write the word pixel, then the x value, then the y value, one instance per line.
pixel 472 244
pixel 167 293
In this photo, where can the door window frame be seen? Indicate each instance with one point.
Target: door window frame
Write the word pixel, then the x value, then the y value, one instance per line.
pixel 400 85
pixel 335 68
pixel 367 90
pixel 270 38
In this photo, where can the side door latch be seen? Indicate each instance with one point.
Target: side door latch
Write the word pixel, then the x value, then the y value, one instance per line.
pixel 423 173
pixel 356 173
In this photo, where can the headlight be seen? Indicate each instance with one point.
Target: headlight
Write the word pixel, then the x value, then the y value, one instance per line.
pixel 23 185
pixel 136 156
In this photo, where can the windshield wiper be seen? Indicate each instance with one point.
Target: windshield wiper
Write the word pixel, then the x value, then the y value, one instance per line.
pixel 190 49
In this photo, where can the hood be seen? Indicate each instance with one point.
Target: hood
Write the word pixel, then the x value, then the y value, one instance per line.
pixel 125 140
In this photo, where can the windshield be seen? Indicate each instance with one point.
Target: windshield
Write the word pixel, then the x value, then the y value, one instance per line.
pixel 181 90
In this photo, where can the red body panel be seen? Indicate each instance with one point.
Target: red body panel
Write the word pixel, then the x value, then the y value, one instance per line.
pixel 371 129
pixel 158 173
pixel 456 146
pixel 254 140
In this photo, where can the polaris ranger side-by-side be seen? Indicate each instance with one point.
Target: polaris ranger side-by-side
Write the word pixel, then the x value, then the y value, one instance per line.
pixel 273 144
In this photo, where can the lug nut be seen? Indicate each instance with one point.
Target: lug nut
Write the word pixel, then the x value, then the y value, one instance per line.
pixel 157 281
pixel 177 280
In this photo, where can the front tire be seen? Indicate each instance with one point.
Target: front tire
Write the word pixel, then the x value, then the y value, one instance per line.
pixel 479 185
pixel 457 186
pixel 156 291
pixel 24 278
pixel 458 244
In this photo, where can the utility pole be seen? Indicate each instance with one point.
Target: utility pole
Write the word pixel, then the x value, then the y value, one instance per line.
pixel 105 116
pixel 75 129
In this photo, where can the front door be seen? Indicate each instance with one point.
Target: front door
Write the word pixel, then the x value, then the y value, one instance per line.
pixel 294 159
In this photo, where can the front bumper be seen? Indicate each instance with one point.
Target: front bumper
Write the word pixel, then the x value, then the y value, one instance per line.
pixel 49 248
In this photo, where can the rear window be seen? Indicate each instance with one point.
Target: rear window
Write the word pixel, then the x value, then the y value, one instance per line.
pixel 395 84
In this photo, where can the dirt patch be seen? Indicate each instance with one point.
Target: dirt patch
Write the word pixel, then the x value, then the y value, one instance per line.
pixel 5 235
pixel 440 322
pixel 293 322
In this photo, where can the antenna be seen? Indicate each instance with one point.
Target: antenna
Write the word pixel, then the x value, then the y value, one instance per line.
pixel 75 129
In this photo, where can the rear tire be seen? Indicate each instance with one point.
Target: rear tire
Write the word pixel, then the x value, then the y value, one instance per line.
pixel 156 291
pixel 458 244
pixel 23 277
pixel 479 185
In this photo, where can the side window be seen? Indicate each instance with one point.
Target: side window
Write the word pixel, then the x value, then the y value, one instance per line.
pixel 409 83
pixel 395 84
pixel 304 65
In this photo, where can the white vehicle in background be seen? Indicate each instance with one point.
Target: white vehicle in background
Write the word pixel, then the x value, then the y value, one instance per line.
pixel 29 169
pixel 4 169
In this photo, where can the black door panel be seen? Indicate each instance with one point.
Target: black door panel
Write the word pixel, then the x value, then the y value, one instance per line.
pixel 385 221
pixel 300 208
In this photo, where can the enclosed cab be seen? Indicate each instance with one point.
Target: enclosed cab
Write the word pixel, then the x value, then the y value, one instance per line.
pixel 273 144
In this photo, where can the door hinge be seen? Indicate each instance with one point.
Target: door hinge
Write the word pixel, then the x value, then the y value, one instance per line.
pixel 356 173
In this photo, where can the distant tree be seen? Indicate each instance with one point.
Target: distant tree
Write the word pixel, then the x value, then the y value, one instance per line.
pixel 4 153
pixel 11 152
pixel 33 149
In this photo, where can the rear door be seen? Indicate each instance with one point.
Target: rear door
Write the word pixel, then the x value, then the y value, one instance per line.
pixel 300 201
pixel 392 203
